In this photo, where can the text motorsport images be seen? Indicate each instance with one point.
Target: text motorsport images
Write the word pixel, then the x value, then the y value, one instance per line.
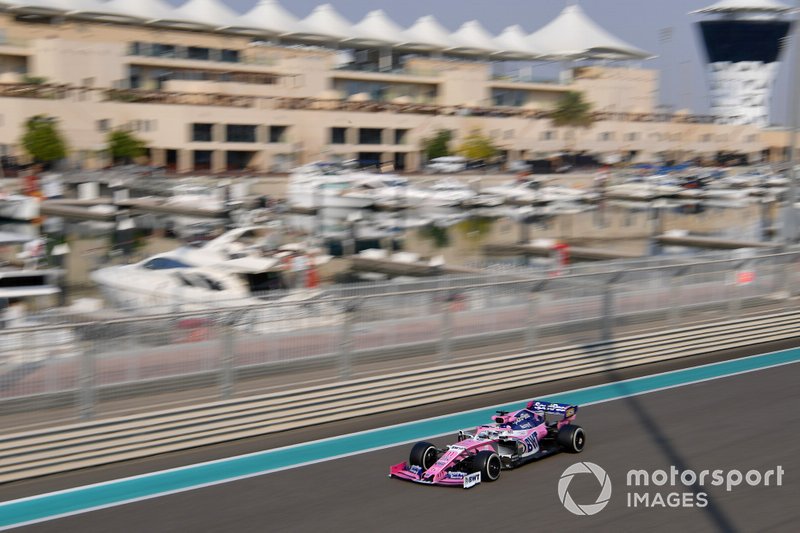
pixel 661 488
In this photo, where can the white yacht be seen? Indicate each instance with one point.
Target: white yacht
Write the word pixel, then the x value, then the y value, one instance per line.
pixel 19 207
pixel 23 284
pixel 233 269
pixel 323 186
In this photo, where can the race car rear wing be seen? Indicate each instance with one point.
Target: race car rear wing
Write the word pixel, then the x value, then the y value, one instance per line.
pixel 563 409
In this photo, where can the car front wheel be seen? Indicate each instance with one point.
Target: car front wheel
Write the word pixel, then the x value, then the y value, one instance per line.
pixel 488 464
pixel 423 454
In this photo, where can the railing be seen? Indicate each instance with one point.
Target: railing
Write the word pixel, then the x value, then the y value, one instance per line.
pixel 14 41
pixel 186 353
pixel 402 71
pixel 142 96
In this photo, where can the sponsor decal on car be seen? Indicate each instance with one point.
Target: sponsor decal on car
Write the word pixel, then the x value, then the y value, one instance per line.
pixel 417 470
pixel 471 480
pixel 456 475
pixel 531 443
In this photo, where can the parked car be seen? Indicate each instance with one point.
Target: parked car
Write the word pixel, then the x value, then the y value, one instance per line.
pixel 447 165
pixel 518 166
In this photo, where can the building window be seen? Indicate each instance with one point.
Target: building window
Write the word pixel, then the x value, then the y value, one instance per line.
pixel 370 136
pixel 104 125
pixel 238 160
pixel 202 133
pixel 705 138
pixel 722 138
pixel 606 136
pixel 509 134
pixel 631 136
pixel 751 138
pixel 162 50
pixel 400 136
pixel 277 134
pixel 338 135
pixel 509 97
pixel 240 133
pixel 198 53
pixel 229 56
pixel 135 48
pixel 548 135
pixel 203 159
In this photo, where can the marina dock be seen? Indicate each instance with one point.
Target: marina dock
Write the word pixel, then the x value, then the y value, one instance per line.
pixel 711 243
pixel 576 252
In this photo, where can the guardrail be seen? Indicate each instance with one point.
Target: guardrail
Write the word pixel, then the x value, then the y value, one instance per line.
pixel 196 355
pixel 61 449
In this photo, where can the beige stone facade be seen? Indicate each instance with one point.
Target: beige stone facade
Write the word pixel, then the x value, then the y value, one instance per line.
pixel 206 101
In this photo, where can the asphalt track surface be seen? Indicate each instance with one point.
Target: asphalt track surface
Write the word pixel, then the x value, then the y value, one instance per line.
pixel 744 422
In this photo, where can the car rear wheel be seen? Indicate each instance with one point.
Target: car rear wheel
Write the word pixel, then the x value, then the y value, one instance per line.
pixel 488 464
pixel 572 438
pixel 423 454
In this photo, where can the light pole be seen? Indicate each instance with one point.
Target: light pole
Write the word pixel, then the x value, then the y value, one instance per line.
pixel 790 214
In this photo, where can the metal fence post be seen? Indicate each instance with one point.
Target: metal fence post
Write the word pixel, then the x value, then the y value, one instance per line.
pixel 607 321
pixel 346 342
pixel 227 362
pixel 532 320
pixel 788 274
pixel 675 297
pixel 446 340
pixel 735 301
pixel 86 381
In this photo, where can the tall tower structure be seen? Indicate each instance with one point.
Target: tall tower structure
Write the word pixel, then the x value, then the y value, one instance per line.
pixel 743 44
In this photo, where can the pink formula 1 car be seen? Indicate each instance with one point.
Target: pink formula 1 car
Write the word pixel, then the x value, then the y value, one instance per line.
pixel 538 430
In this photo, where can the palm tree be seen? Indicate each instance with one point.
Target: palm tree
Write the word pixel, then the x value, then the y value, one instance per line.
pixel 572 111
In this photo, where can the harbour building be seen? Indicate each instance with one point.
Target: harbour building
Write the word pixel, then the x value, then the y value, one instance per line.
pixel 213 90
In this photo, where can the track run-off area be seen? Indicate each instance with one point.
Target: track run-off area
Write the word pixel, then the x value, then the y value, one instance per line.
pixel 741 414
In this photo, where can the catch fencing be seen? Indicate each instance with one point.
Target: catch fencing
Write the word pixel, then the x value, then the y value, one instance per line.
pixel 182 354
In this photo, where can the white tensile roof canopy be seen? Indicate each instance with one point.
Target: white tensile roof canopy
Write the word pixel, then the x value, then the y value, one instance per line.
pixel 211 13
pixel 144 10
pixel 573 35
pixel 473 39
pixel 42 7
pixel 326 23
pixel 96 10
pixel 427 34
pixel 514 43
pixel 271 18
pixel 733 6
pixel 377 28
pixel 156 12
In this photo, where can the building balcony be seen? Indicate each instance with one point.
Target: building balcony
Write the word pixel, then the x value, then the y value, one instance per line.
pixel 246 65
pixel 416 76
pixel 12 46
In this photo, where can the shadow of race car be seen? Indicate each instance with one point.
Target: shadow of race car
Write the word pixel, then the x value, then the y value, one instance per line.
pixel 514 439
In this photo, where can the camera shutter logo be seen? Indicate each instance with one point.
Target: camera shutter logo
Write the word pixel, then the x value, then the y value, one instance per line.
pixel 602 499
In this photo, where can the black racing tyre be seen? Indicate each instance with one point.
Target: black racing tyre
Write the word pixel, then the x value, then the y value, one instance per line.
pixel 488 464
pixel 423 454
pixel 572 438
